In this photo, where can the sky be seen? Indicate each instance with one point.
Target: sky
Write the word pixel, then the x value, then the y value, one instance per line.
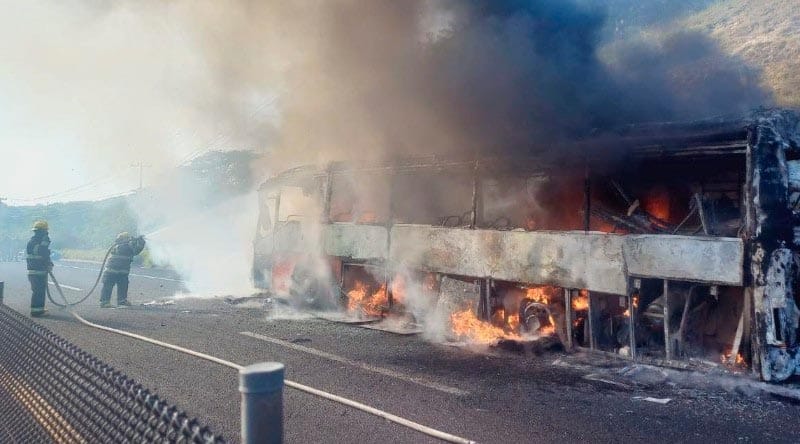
pixel 88 90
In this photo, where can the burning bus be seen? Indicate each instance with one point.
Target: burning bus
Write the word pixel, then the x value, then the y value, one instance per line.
pixel 673 243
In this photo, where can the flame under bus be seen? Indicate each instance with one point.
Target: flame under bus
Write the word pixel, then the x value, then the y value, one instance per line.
pixel 671 242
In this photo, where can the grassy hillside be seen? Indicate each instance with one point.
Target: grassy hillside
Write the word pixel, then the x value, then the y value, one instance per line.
pixel 765 33
pixel 75 225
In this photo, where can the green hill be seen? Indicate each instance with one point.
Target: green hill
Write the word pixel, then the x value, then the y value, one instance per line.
pixel 765 33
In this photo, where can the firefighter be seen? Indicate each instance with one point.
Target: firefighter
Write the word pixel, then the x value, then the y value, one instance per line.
pixel 118 267
pixel 39 264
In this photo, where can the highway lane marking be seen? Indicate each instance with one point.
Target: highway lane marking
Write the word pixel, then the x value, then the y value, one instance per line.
pixel 132 274
pixel 66 286
pixel 292 384
pixel 370 368
pixel 154 277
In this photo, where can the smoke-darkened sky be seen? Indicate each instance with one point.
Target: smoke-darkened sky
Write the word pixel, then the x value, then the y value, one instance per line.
pixel 88 88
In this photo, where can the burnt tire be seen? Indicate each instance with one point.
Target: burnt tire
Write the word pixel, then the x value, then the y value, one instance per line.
pixel 533 315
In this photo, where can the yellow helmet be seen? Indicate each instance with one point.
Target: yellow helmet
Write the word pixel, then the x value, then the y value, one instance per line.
pixel 123 237
pixel 40 225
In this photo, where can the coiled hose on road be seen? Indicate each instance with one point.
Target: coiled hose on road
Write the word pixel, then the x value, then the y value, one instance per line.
pixel 444 436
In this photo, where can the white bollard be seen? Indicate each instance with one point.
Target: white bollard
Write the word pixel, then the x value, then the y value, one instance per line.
pixel 261 386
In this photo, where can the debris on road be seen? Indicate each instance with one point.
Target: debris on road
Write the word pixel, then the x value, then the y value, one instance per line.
pixel 700 381
pixel 662 401
pixel 599 378
pixel 155 303
pixel 402 326
pixel 260 297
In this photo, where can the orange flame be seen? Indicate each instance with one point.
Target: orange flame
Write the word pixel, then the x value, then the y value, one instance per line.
pixel 507 323
pixel 634 302
pixel 398 287
pixel 603 226
pixel 657 204
pixel 539 294
pixel 358 300
pixel 282 275
pixel 725 358
pixel 542 296
pixel 356 295
pixel 549 329
pixel 512 323
pixel 465 325
pixel 581 302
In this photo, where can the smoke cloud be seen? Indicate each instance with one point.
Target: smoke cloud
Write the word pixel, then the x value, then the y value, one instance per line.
pixel 313 81
pixel 384 79
pixel 310 81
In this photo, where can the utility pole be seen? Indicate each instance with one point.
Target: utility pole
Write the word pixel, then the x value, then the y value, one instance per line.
pixel 141 167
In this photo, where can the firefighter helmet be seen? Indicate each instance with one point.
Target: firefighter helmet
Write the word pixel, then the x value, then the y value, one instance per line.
pixel 40 225
pixel 123 237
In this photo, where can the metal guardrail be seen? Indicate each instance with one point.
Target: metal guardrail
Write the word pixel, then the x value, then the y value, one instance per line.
pixel 52 391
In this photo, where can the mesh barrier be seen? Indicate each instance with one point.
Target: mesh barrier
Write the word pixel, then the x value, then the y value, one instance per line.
pixel 52 391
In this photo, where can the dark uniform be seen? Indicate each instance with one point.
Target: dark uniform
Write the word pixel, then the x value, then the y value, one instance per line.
pixel 39 264
pixel 118 268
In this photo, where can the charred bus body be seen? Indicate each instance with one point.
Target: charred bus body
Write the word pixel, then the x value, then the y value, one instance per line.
pixel 684 248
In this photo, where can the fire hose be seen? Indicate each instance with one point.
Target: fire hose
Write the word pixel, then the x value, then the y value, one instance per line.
pixel 295 385
pixel 66 303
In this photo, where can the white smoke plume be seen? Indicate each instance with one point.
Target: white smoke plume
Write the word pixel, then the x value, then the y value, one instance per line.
pixel 212 250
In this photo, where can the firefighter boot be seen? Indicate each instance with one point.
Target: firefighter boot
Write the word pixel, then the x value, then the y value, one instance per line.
pixel 38 312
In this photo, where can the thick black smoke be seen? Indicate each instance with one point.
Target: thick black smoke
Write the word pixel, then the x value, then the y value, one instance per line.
pixel 524 72
pixel 520 75
pixel 379 79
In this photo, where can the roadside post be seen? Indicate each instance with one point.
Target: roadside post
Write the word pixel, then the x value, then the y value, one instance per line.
pixel 2 284
pixel 261 386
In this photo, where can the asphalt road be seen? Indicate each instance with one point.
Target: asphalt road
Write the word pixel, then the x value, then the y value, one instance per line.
pixel 487 396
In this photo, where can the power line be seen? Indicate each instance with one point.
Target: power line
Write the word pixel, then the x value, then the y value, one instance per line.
pixel 96 181
pixel 209 145
pixel 220 137
pixel 98 198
